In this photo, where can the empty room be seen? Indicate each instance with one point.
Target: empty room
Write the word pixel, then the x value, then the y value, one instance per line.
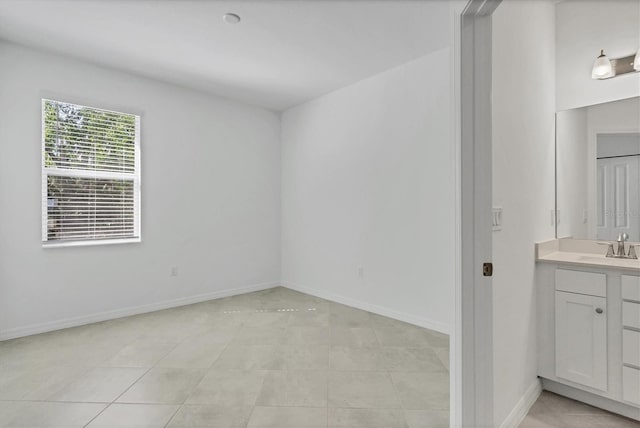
pixel 226 214
pixel 319 213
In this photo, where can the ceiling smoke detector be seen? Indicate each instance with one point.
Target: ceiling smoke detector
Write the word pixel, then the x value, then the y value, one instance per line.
pixel 231 18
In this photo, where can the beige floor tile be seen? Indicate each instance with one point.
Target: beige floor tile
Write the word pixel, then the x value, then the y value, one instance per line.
pixel 566 406
pixel 422 391
pixel 366 418
pixel 382 321
pixel 348 358
pixel 100 385
pixel 58 415
pixel 427 418
pixel 294 388
pixel 354 337
pixel 300 357
pixel 134 416
pixel 163 386
pixel 218 335
pixel 598 421
pixel 164 329
pixel 228 388
pixel 210 416
pixel 436 339
pixel 347 317
pixel 296 335
pixel 288 417
pixel 192 353
pixel 267 319
pixel 141 353
pixel 209 361
pixel 224 320
pixel 414 337
pixel 362 390
pixel 38 383
pixel 443 356
pixel 554 411
pixel 260 336
pixel 549 420
pixel 245 357
pixel 12 409
pixel 400 359
pixel 309 319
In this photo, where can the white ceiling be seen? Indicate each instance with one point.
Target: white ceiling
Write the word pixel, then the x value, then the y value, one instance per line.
pixel 281 54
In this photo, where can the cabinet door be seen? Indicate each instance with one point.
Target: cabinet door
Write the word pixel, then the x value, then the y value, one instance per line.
pixel 581 339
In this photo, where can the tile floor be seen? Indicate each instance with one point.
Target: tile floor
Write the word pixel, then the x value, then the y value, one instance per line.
pixel 554 411
pixel 275 358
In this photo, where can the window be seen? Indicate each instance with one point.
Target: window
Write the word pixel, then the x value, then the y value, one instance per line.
pixel 90 175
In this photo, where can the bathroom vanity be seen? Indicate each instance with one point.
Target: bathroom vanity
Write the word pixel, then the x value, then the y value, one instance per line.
pixel 588 304
pixel 588 311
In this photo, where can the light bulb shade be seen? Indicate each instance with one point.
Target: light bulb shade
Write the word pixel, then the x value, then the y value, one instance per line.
pixel 636 62
pixel 602 68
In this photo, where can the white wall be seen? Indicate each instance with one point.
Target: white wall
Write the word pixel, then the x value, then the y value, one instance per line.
pixel 210 198
pixel 523 184
pixel 368 181
pixel 584 27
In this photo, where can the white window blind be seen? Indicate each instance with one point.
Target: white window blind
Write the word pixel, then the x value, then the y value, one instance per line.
pixel 90 174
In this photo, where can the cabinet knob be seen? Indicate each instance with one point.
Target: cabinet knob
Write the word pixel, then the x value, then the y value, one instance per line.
pixel 599 310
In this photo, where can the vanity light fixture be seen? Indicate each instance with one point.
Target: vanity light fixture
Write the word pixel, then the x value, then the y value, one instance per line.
pixel 602 68
pixel 605 68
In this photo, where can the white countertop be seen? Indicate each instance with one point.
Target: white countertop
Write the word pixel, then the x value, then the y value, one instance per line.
pixel 582 253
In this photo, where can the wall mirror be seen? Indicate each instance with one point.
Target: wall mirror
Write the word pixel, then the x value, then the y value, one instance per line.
pixel 598 171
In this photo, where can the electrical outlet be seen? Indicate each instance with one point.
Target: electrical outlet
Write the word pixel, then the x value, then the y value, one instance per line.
pixel 360 272
pixel 174 271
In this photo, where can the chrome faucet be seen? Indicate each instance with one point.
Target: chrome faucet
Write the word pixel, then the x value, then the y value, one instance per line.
pixel 622 237
pixel 620 253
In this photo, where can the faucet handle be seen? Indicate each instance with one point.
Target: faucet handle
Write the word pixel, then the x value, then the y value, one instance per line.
pixel 610 251
pixel 632 252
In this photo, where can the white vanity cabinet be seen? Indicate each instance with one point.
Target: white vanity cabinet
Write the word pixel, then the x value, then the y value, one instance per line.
pixel 581 327
pixel 581 339
pixel 630 286
pixel 588 320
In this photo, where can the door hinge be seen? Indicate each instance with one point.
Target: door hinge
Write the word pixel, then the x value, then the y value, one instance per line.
pixel 487 269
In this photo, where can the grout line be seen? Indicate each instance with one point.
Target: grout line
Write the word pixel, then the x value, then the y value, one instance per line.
pixel 99 413
pixel 173 415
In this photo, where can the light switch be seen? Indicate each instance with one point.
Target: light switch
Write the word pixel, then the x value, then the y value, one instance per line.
pixel 497 218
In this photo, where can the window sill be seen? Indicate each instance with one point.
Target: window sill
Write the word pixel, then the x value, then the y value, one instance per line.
pixel 87 243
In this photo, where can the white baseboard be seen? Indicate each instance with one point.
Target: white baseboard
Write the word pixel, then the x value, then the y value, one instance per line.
pixel 523 406
pixel 125 312
pixel 380 310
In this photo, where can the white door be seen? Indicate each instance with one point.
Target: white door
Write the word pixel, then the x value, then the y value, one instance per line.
pixel 618 197
pixel 581 339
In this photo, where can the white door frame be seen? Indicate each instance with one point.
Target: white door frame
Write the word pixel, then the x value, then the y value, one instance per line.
pixel 474 298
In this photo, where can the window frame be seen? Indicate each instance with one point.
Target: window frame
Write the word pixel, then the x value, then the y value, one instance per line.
pixel 83 173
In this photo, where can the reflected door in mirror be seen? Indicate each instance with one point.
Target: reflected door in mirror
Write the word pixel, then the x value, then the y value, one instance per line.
pixel 618 197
